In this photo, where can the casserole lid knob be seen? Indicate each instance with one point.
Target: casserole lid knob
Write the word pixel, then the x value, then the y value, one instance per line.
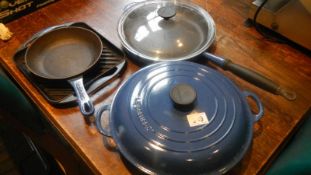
pixel 183 97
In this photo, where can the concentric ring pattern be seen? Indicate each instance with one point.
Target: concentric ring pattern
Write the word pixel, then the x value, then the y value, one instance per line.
pixel 152 126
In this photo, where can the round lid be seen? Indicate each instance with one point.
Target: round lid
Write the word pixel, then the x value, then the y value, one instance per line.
pixel 166 30
pixel 180 118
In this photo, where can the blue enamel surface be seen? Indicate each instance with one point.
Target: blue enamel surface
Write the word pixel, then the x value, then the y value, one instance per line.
pixel 157 138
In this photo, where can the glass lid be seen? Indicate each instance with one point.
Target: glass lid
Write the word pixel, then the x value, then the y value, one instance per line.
pixel 166 30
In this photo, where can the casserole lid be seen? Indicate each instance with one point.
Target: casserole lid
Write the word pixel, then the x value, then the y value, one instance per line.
pixel 180 118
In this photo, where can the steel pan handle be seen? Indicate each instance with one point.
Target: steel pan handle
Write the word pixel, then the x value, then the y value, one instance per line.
pixel 258 103
pixel 98 119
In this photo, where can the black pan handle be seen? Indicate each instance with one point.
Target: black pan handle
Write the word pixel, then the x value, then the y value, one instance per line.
pixel 251 76
pixel 40 33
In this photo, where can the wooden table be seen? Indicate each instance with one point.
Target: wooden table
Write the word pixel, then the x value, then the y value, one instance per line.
pixel 286 65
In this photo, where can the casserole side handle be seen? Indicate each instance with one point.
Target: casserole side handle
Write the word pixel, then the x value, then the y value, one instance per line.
pixel 98 119
pixel 258 103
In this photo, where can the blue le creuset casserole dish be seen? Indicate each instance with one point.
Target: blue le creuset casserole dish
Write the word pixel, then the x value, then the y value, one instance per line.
pixel 180 118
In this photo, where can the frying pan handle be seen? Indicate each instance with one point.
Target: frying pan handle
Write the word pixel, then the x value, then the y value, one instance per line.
pixel 244 73
pixel 85 104
pixel 39 34
pixel 98 116
pixel 251 76
pixel 258 103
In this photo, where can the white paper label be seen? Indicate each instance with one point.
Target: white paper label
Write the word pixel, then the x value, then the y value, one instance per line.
pixel 197 119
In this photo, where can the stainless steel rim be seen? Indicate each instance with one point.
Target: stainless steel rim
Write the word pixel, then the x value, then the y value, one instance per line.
pixel 209 41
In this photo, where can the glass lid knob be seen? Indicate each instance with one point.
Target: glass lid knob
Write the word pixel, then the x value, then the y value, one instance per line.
pixel 167 11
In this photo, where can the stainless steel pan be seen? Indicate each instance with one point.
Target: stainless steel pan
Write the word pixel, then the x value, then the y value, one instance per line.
pixel 165 30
